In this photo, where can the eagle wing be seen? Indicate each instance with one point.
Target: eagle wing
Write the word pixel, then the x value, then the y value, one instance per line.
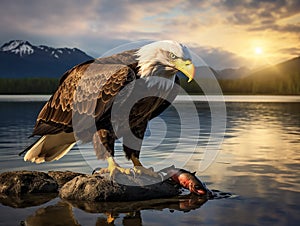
pixel 87 89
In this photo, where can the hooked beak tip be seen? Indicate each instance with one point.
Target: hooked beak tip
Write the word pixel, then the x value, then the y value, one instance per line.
pixel 191 72
pixel 186 67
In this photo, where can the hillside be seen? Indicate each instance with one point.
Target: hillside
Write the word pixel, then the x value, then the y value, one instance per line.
pixel 283 78
pixel 231 73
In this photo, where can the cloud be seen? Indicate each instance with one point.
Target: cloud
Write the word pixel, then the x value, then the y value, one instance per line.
pixel 98 25
pixel 293 51
pixel 71 20
pixel 287 28
pixel 109 17
pixel 44 18
pixel 258 15
pixel 218 58
pixel 260 9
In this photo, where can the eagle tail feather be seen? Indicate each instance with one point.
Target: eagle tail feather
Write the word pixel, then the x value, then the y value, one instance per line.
pixel 50 147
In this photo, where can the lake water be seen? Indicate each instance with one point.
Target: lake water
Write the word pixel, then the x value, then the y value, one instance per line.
pixel 258 162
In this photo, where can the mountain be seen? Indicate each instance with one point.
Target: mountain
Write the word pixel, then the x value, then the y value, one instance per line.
pixel 280 78
pixel 21 59
pixel 283 78
pixel 231 73
pixel 278 71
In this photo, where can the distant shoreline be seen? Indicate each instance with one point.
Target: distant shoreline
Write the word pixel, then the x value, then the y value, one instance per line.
pixel 179 98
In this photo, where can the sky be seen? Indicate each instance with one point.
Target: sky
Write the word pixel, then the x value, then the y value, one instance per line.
pixel 224 33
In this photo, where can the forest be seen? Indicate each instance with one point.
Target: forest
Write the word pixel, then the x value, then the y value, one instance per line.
pixel 28 85
pixel 281 79
pixel 290 85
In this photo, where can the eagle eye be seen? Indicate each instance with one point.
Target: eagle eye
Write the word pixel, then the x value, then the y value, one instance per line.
pixel 173 56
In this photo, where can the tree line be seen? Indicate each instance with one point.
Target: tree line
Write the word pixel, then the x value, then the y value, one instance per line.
pixel 28 85
pixel 290 85
pixel 277 84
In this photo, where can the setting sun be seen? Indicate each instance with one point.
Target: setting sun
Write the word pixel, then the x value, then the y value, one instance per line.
pixel 258 50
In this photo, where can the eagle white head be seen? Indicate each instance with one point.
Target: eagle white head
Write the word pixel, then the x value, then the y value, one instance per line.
pixel 165 58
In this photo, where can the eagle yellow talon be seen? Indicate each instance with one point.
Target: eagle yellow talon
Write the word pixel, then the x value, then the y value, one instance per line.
pixel 140 170
pixel 114 168
pixel 119 169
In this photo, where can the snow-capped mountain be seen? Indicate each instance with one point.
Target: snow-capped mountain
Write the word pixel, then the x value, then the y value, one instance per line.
pixel 20 58
pixel 18 47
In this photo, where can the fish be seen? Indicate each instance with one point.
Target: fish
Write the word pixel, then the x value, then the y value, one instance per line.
pixel 188 180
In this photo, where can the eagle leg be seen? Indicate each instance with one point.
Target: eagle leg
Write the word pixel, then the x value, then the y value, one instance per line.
pixel 103 141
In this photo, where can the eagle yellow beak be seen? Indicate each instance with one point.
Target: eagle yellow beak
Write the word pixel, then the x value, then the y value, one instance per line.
pixel 186 67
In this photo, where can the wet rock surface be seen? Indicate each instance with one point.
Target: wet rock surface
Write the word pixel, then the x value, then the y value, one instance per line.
pixel 62 177
pixel 26 182
pixel 82 187
pixel 97 193
pixel 99 188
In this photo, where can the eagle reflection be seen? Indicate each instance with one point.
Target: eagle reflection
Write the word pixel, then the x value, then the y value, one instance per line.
pixel 62 212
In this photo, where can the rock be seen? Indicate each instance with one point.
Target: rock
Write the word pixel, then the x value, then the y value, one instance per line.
pixel 19 187
pixel 26 182
pixel 62 177
pixel 99 188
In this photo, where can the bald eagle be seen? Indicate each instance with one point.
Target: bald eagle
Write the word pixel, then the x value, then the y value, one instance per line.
pixel 109 98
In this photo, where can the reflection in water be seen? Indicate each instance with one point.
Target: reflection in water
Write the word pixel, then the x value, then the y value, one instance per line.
pixel 268 142
pixel 62 213
pixel 259 161
pixel 58 214
pixel 26 200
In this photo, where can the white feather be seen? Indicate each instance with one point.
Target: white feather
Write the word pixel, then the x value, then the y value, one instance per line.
pixel 151 54
pixel 50 147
